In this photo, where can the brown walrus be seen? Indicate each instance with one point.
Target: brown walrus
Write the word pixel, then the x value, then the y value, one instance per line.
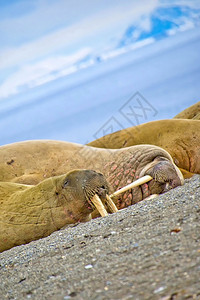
pixel 32 212
pixel 31 162
pixel 181 138
pixel 192 112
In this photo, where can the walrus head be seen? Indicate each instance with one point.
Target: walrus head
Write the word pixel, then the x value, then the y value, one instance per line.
pixel 75 193
pixel 165 174
pixel 85 184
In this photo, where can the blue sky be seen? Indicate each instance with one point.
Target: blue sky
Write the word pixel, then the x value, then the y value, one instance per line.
pixel 42 40
pixel 67 67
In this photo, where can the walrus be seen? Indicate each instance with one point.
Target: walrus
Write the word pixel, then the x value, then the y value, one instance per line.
pixel 30 162
pixel 181 138
pixel 32 212
pixel 192 112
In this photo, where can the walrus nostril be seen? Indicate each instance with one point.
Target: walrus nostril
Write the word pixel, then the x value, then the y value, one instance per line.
pixel 102 191
pixel 174 183
pixel 167 187
pixel 171 184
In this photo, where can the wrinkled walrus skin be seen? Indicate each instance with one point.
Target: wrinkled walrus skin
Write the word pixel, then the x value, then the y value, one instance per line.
pixel 181 138
pixel 31 162
pixel 32 212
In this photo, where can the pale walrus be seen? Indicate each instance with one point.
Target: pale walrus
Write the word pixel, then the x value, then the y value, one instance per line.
pixel 192 112
pixel 32 161
pixel 181 138
pixel 32 212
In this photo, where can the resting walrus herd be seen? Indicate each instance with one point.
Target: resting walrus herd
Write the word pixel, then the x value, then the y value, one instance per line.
pixel 46 185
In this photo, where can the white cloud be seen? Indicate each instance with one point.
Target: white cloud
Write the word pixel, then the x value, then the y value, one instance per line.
pixel 134 46
pixel 189 3
pixel 47 15
pixel 39 18
pixel 54 27
pixel 32 75
pixel 187 24
pixel 99 26
pixel 145 23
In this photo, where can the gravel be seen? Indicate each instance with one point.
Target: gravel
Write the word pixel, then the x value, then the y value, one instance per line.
pixel 150 250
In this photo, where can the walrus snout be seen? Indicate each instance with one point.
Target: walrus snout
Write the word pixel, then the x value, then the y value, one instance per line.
pixel 95 184
pixel 171 184
pixel 102 192
pixel 87 190
pixel 166 176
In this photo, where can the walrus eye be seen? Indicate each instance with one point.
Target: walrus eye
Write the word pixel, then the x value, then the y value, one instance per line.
pixel 66 183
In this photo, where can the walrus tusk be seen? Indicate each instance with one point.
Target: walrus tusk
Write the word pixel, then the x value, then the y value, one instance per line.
pixel 135 183
pixel 99 205
pixel 111 204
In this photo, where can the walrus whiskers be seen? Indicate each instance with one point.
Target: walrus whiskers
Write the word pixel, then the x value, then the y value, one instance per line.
pixel 99 205
pixel 134 184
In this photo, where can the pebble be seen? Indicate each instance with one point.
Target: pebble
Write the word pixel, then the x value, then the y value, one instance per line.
pixel 160 289
pixel 88 267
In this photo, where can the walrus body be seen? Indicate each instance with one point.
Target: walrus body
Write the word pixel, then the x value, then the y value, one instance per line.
pixel 192 112
pixel 181 138
pixel 31 162
pixel 28 213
